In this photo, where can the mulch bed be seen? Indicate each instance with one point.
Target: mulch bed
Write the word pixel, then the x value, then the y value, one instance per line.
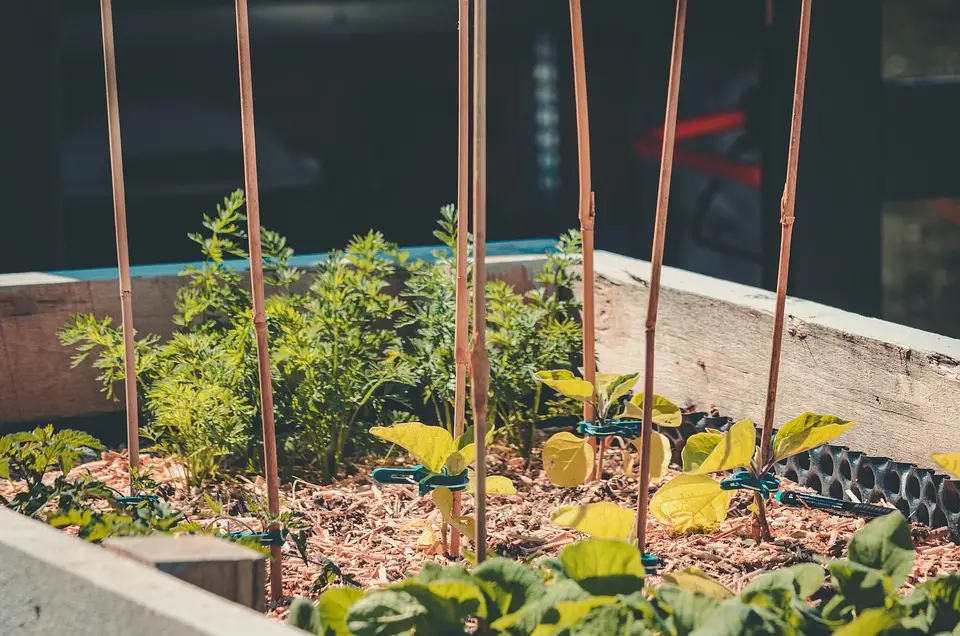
pixel 370 531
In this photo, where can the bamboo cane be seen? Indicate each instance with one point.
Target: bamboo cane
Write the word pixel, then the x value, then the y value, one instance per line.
pixel 787 206
pixel 123 256
pixel 479 358
pixel 587 211
pixel 252 190
pixel 656 265
pixel 461 325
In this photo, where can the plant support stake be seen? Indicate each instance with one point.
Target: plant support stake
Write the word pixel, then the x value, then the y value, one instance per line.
pixel 656 266
pixel 123 256
pixel 256 289
pixel 479 358
pixel 787 206
pixel 586 207
pixel 462 293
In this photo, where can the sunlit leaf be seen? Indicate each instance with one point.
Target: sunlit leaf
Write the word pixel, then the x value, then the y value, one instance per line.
pixel 807 431
pixel 613 386
pixel 604 566
pixel 564 383
pixel 443 498
pixel 455 463
pixel 508 584
pixel 950 462
pixel 496 485
pixel 872 622
pixel 469 599
pixel 602 520
pixel 567 459
pixel 660 453
pixel 665 412
pixel 690 503
pixel 803 579
pixel 430 445
pixel 571 613
pixel 333 606
pixel 467 447
pixel 734 449
pixel 696 580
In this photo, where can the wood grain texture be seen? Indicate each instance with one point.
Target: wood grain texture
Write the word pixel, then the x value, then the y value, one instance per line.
pixel 900 385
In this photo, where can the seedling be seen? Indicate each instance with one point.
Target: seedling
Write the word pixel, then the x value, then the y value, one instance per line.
pixel 694 501
pixel 603 520
pixel 569 460
pixel 443 469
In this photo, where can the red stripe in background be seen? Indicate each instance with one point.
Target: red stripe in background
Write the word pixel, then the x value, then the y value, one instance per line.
pixel 745 173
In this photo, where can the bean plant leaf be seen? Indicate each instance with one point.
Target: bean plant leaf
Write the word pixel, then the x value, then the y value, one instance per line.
pixel 807 431
pixel 466 446
pixel 466 597
pixel 665 412
pixel 304 615
pixel 885 544
pixel 691 503
pixel 604 566
pixel 660 453
pixel 613 386
pixel 564 383
pixel 950 462
pixel 443 498
pixel 708 453
pixel 735 618
pixel 456 463
pixel 535 611
pixel 332 608
pixel 872 622
pixel 602 520
pixel 687 610
pixel 942 596
pixel 860 586
pixel 508 585
pixel 567 459
pixel 496 485
pixel 804 579
pixel 386 612
pixel 696 580
pixel 430 445
pixel 572 612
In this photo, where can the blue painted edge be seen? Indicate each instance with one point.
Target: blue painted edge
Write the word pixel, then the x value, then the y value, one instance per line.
pixel 494 248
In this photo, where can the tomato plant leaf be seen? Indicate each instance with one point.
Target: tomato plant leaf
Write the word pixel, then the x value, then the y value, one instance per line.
pixel 660 453
pixel 734 449
pixel 567 459
pixel 602 520
pixel 665 412
pixel 950 462
pixel 604 566
pixel 885 544
pixel 696 580
pixel 807 431
pixel 691 503
pixel 430 445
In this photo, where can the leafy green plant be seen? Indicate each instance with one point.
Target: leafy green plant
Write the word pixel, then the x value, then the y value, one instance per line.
pixel 597 587
pixel 693 501
pixel 569 460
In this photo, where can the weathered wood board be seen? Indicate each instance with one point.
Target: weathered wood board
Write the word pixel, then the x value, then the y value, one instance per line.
pixel 901 385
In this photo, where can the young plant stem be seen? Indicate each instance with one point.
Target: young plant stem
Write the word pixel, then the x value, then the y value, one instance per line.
pixel 123 256
pixel 656 266
pixel 787 207
pixel 479 357
pixel 462 292
pixel 587 211
pixel 252 191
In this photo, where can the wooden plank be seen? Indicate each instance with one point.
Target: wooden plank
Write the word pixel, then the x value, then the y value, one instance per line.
pixel 901 385
pixel 228 570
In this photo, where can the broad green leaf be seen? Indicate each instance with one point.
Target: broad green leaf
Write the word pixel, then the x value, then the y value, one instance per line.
pixel 567 459
pixel 687 610
pixel 565 384
pixel 942 596
pixel 860 586
pixel 570 613
pixel 873 622
pixel 508 585
pixel 807 431
pixel 430 445
pixel 4 468
pixel 950 462
pixel 602 520
pixel 467 597
pixel 540 609
pixel 691 503
pixel 665 412
pixel 734 449
pixel 613 386
pixel 443 498
pixel 332 608
pixel 604 566
pixel 696 580
pixel 735 618
pixel 466 446
pixel 885 544
pixel 304 615
pixel 386 612
pixel 496 485
pixel 804 579
pixel 660 453
pixel 455 464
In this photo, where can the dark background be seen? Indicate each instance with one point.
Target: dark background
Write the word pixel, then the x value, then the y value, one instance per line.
pixel 356 117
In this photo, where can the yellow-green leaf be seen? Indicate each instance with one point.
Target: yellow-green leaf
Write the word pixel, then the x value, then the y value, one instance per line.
pixel 613 386
pixel 660 453
pixel 950 462
pixel 807 431
pixel 564 383
pixel 602 520
pixel 496 485
pixel 696 580
pixel 665 412
pixel 443 498
pixel 567 459
pixel 467 448
pixel 455 463
pixel 690 503
pixel 571 613
pixel 733 449
pixel 430 445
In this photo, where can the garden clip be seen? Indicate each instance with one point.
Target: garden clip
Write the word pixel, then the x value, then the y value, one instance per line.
pixel 267 539
pixel 744 480
pixel 650 563
pixel 136 499
pixel 421 477
pixel 629 429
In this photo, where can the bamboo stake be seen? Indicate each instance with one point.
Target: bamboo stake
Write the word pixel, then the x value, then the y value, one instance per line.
pixel 656 265
pixel 252 190
pixel 461 325
pixel 123 256
pixel 587 212
pixel 787 207
pixel 479 358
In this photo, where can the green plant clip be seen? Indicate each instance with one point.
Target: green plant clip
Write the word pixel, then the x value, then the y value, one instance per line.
pixel 425 480
pixel 136 499
pixel 744 480
pixel 623 428
pixel 650 563
pixel 267 539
